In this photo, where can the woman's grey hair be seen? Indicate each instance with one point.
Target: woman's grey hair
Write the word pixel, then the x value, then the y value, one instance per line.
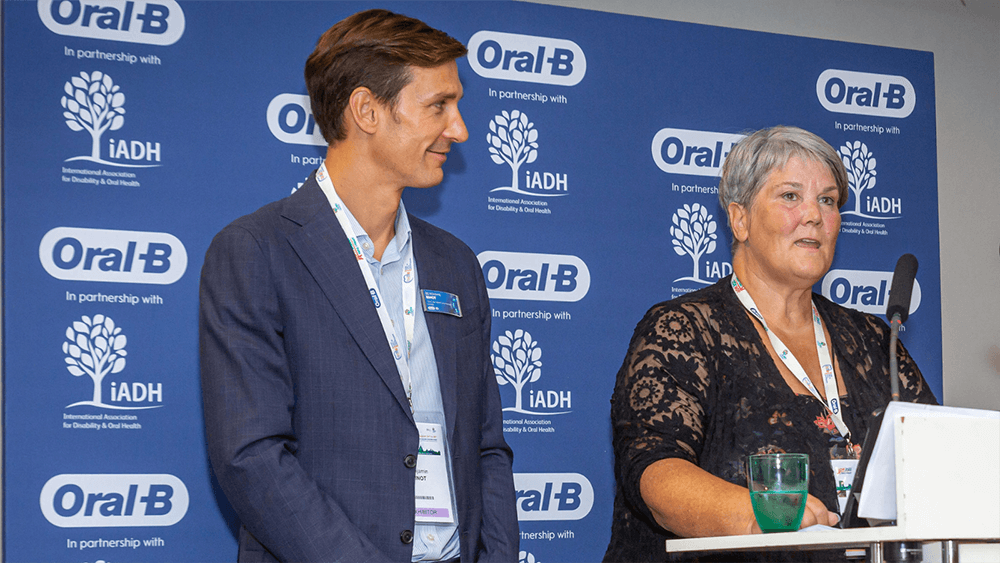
pixel 751 161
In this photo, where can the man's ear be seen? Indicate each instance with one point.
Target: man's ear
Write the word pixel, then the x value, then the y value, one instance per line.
pixel 739 220
pixel 362 109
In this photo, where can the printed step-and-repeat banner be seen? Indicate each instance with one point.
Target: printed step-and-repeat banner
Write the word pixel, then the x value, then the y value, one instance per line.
pixel 134 130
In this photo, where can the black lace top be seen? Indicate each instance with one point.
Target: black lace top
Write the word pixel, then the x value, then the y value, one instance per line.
pixel 699 384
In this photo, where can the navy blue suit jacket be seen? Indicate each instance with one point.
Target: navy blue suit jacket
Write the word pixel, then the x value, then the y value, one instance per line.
pixel 309 429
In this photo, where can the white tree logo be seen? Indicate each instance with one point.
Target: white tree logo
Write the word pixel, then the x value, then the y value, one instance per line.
pixel 93 103
pixel 693 232
pixel 517 360
pixel 513 140
pixel 95 347
pixel 860 164
pixel 526 557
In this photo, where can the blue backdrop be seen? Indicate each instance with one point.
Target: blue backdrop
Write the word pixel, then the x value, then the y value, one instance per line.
pixel 136 129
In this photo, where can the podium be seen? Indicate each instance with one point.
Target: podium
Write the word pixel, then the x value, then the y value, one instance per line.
pixel 947 489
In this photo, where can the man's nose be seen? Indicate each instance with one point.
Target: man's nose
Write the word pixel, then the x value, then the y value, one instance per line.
pixel 456 130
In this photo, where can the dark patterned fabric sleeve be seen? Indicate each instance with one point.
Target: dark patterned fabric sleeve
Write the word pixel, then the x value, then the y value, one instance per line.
pixel 661 394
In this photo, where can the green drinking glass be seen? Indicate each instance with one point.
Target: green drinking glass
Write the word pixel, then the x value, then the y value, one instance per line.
pixel 779 485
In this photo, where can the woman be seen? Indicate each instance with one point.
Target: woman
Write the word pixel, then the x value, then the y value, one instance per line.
pixel 703 387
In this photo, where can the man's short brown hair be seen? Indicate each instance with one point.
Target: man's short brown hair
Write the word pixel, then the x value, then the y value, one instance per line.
pixel 373 49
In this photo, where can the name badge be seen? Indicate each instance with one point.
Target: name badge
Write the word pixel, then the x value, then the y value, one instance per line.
pixel 441 302
pixel 432 490
pixel 843 475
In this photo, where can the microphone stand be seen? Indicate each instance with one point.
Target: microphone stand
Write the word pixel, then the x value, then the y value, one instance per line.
pixel 902 285
pixel 894 325
pixel 898 552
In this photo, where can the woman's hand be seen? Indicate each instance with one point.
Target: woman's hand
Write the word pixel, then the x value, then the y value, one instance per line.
pixel 816 513
pixel 692 503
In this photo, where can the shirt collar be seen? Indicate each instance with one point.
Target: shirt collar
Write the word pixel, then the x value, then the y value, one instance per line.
pixel 395 250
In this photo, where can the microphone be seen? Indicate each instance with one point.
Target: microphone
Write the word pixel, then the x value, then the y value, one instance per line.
pixel 897 311
pixel 902 288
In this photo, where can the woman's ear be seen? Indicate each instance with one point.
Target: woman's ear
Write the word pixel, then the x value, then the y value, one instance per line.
pixel 739 221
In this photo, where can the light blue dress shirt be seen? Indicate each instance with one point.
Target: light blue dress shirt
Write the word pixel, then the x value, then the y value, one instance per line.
pixel 431 542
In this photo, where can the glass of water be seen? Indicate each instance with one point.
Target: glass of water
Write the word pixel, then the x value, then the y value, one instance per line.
pixel 779 485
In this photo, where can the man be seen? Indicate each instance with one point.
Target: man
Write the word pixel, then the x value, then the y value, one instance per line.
pixel 351 408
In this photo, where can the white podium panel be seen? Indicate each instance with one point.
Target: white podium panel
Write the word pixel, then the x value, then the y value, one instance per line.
pixel 947 477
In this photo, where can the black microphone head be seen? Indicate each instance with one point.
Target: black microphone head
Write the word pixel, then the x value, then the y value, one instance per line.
pixel 902 288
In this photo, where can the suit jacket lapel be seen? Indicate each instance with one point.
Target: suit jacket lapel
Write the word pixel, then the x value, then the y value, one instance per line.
pixel 434 272
pixel 322 246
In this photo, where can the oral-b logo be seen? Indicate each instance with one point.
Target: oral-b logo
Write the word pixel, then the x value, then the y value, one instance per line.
pixel 102 255
pixel 112 501
pixel 864 290
pixel 133 21
pixel 865 93
pixel 534 277
pixel 553 496
pixel 685 151
pixel 290 119
pixel 527 58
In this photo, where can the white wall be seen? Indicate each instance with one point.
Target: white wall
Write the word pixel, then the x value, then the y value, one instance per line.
pixel 966 46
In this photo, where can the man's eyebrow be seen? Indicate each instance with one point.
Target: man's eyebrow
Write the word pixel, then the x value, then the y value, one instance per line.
pixel 448 95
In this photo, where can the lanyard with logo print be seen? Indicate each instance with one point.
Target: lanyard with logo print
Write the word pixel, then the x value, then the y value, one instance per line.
pixel 409 286
pixel 832 401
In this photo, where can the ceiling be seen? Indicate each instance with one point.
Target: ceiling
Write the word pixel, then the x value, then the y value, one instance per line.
pixel 980 8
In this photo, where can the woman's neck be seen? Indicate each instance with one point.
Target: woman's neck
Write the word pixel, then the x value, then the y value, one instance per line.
pixel 781 305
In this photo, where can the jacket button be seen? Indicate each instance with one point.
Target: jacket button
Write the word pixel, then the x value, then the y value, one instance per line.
pixel 406 536
pixel 410 461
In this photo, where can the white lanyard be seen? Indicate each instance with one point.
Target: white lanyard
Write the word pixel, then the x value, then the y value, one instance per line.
pixel 832 401
pixel 409 286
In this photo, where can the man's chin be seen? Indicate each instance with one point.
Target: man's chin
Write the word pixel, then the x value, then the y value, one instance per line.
pixel 428 182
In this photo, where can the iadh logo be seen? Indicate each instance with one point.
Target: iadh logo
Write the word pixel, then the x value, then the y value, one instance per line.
pixel 694 234
pixel 513 140
pixel 526 58
pixel 861 175
pixel 135 21
pixel 517 360
pixel 95 104
pixel 96 347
